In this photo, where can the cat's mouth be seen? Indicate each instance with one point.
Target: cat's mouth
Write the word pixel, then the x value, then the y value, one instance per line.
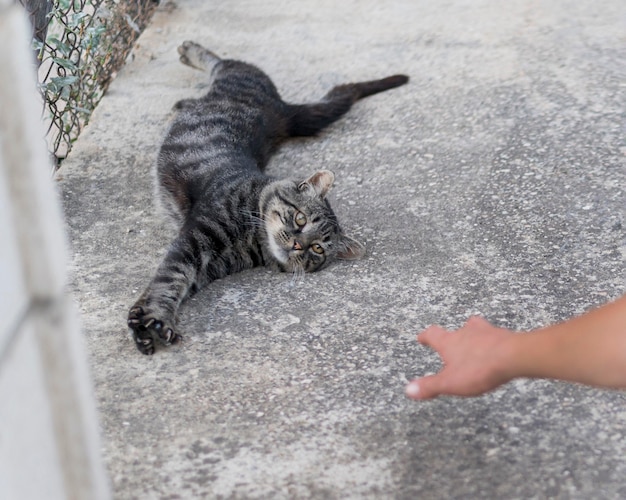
pixel 280 253
pixel 285 248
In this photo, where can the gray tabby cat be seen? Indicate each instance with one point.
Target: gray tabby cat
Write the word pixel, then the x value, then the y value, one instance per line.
pixel 231 216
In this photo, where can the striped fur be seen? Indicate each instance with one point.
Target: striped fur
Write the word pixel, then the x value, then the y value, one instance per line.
pixel 231 216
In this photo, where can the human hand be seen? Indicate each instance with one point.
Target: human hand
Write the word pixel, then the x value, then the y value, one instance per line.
pixel 477 359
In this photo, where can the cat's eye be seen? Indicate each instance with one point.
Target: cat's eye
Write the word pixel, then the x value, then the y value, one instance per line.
pixel 300 219
pixel 317 248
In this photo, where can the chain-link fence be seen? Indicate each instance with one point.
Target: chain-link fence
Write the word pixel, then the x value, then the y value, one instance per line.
pixel 79 45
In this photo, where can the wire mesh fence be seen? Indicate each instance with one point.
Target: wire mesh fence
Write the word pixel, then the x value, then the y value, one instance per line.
pixel 79 45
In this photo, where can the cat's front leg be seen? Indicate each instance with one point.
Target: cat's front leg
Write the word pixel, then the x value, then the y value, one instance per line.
pixel 153 317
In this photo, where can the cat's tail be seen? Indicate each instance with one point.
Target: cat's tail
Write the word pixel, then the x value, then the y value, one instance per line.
pixel 309 119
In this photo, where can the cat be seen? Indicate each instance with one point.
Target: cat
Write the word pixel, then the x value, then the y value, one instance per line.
pixel 230 215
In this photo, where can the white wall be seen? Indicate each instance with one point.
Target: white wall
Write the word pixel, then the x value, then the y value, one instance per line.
pixel 49 446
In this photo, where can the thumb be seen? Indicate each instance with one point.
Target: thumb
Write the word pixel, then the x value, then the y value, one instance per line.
pixel 424 388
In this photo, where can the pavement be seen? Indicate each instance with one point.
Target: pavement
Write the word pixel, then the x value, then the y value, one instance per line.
pixel 493 183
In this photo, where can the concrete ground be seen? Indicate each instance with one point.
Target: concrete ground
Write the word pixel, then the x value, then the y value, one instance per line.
pixel 492 183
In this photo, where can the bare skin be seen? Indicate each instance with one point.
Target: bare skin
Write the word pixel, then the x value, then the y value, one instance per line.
pixel 589 349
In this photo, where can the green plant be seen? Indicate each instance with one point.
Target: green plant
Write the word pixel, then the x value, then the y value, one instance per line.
pixel 84 43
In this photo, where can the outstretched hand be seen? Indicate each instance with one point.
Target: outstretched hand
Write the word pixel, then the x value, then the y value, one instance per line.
pixel 476 360
pixel 589 349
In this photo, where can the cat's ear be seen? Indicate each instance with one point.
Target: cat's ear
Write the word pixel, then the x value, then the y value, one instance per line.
pixel 319 183
pixel 350 249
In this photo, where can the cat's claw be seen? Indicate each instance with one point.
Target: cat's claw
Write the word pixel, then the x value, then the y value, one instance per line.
pixel 146 328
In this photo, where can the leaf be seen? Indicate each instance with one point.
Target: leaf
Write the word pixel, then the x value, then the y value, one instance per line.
pixel 77 19
pixel 59 45
pixel 58 82
pixel 67 64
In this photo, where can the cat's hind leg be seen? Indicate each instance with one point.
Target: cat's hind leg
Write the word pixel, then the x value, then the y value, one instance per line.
pixel 196 56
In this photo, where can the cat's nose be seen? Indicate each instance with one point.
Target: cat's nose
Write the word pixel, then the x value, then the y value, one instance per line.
pixel 296 245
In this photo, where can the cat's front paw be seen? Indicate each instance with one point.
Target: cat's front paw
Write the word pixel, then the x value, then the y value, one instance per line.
pixel 146 327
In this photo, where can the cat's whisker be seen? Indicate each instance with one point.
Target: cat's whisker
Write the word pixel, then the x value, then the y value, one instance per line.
pixel 297 275
pixel 252 219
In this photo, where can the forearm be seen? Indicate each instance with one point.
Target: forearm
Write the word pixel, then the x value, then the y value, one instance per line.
pixel 590 349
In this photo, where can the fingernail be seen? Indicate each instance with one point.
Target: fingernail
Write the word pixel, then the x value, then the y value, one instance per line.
pixel 412 390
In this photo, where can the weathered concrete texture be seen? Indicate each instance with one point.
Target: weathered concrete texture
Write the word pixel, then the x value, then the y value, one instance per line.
pixel 492 183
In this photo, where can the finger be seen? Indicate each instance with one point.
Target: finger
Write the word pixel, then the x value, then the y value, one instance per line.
pixel 476 321
pixel 428 387
pixel 412 390
pixel 431 336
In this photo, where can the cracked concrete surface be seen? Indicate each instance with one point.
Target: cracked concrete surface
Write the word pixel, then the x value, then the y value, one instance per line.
pixel 492 183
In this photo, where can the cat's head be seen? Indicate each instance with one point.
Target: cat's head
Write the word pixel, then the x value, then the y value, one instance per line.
pixel 302 232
